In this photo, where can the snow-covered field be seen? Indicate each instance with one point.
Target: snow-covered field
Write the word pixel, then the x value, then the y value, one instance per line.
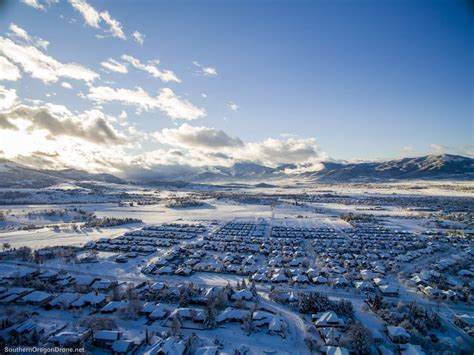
pixel 293 242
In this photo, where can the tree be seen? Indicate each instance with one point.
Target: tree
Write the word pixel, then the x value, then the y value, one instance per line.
pixel 211 316
pixel 175 326
pixel 360 338
pixel 344 307
pixel 6 246
pixel 221 299
pixel 377 302
pixel 253 289
pixel 131 310
pixel 117 293
pixel 247 325
pixel 98 323
pixel 24 253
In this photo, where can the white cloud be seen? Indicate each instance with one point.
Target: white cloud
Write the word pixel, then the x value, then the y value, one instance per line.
pixel 20 33
pixel 214 146
pixel 8 70
pixel 92 126
pixel 93 18
pixel 439 149
pixel 7 98
pixel 206 71
pixel 150 68
pixel 197 137
pixel 42 66
pixel 233 106
pixel 115 26
pixel 66 85
pixel 33 3
pixel 209 71
pixel 113 65
pixel 274 152
pixel 166 101
pixel 138 37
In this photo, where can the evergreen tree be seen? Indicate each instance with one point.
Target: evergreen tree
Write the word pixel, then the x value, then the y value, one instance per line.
pixel 211 316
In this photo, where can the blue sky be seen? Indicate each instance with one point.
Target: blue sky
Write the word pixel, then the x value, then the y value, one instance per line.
pixel 318 79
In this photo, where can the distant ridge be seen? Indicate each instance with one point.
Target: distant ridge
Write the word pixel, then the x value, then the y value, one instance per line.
pixel 17 175
pixel 430 167
pixel 435 167
pixel 444 166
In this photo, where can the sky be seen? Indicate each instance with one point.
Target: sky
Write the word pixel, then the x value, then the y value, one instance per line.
pixel 129 86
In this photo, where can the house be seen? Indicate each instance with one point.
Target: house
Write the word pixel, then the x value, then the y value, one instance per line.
pixel 389 290
pixel 93 299
pixel 330 336
pixel 194 314
pixel 14 293
pixel 113 306
pixel 398 334
pixel 147 308
pixel 37 298
pixel 68 339
pixel 279 277
pixel 169 346
pixel 259 277
pixel 103 285
pixel 159 311
pixel 49 276
pixel 85 281
pixel 242 295
pixel 64 299
pixel 364 286
pixel 105 338
pixel 277 326
pixel 157 287
pixel 26 331
pixel 340 281
pixel 231 314
pixel 334 350
pixel 329 319
pixel 319 280
pixel 23 273
pixel 122 347
pixel 410 349
pixel 207 350
pixel 430 291
pixel 302 279
pixel 121 259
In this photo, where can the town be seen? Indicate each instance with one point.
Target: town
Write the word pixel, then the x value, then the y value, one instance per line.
pixel 240 271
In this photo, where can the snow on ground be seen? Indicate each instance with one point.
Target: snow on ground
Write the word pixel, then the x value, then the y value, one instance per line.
pixel 45 237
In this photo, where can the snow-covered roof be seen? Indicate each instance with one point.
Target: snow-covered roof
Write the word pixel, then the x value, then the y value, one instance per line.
pixel 242 295
pixel 207 350
pixel 121 346
pixel 397 332
pixel 231 313
pixel 64 298
pixel 107 334
pixel 334 350
pixel 37 296
pixel 328 319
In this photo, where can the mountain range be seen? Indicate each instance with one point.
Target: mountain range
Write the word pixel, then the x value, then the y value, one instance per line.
pixel 431 167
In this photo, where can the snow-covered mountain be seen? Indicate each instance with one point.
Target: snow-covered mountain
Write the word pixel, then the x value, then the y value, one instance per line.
pixel 17 175
pixel 429 167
